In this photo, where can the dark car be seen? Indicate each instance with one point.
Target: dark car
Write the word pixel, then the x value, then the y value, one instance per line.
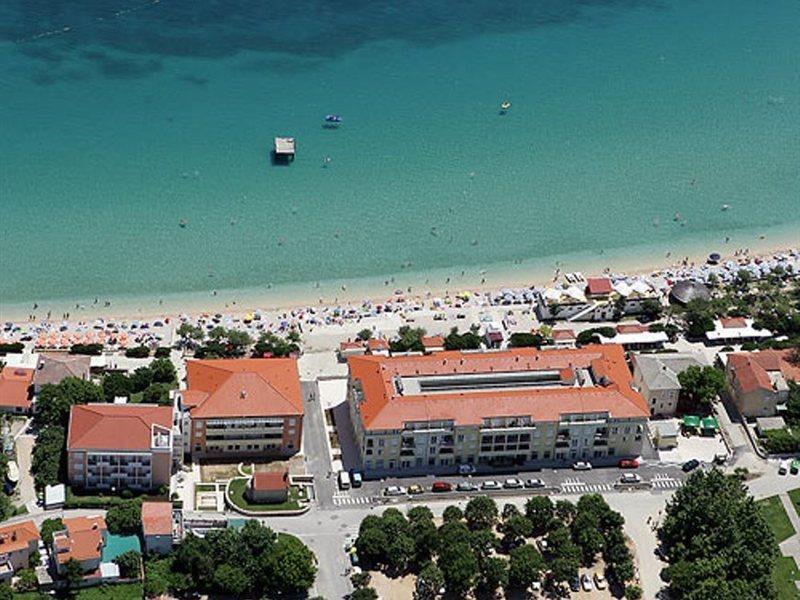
pixel 690 465
pixel 575 584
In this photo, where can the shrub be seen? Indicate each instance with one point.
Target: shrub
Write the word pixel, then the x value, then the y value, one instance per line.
pixel 162 352
pixel 15 348
pixel 87 349
pixel 137 352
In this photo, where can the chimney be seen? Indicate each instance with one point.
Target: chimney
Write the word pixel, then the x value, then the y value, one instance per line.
pixel 243 394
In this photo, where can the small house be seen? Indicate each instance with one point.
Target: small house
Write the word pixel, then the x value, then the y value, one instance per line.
pixel 270 487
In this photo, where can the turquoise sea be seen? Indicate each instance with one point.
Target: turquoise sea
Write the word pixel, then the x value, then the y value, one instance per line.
pixel 121 118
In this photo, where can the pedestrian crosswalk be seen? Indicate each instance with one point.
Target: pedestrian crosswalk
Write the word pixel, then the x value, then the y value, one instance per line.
pixel 576 486
pixel 347 500
pixel 665 482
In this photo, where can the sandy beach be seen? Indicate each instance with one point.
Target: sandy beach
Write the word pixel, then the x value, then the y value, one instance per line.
pixel 536 273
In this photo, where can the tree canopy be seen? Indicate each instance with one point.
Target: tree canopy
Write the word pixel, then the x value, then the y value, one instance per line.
pixel 717 541
pixel 700 386
pixel 408 340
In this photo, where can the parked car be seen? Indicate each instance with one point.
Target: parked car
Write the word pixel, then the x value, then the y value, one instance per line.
pixel 575 584
pixel 344 480
pixel 582 466
pixel 467 486
pixel 491 485
pixel 794 467
pixel 783 468
pixel 466 469
pixel 690 465
pixel 600 581
pixel 394 490
pixel 512 483
pixel 630 478
pixel 415 488
pixel 586 582
pixel 542 543
pixel 441 486
pixel 355 478
pixel 535 483
pixel 629 463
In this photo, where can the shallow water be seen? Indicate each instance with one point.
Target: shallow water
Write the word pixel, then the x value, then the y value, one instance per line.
pixel 623 114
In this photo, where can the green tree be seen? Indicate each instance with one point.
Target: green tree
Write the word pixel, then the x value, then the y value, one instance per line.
pixel 48 528
pixel 524 566
pixel 408 340
pixel 651 309
pixel 452 513
pixel 47 460
pixel 372 541
pixel 231 580
pixel 137 352
pixel 193 558
pixel 540 512
pixel 515 529
pixel 700 386
pixel 400 552
pixel 129 563
pixel 6 593
pixel 481 513
pixel 565 557
pixel 565 510
pixel 423 533
pixel 291 566
pixel 190 335
pixel 633 592
pixel 360 580
pixel 163 371
pixel 699 318
pixel 270 344
pixel 459 568
pixel 525 340
pixel 716 538
pixel 494 574
pixel 116 385
pixel 483 542
pixel 364 594
pixel 364 335
pixel 157 393
pixel 26 580
pixel 466 341
pixel 73 573
pixel 429 581
pixel 54 401
pixel 141 379
pixel 125 518
pixel 157 574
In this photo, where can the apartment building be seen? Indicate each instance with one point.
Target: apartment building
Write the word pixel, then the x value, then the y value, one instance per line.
pixel 121 446
pixel 241 407
pixel 655 376
pixel 521 407
pixel 18 542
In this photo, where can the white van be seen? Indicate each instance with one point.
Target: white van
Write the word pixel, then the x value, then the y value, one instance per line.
pixel 344 480
pixel 784 467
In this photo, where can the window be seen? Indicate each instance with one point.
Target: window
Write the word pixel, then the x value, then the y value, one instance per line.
pixel 433 440
pixel 534 455
pixel 524 437
pixel 381 443
pixel 292 421
pixel 460 437
pixel 547 454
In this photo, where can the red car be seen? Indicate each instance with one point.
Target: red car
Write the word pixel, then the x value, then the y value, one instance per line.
pixel 628 463
pixel 441 486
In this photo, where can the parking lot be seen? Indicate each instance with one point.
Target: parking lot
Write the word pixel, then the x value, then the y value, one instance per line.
pixel 555 481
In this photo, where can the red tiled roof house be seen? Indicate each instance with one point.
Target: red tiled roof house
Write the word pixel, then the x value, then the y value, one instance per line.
pixel 157 527
pixel 268 487
pixel 120 446
pixel 415 414
pixel 242 407
pixel 17 543
pixel 15 389
pixel 759 381
pixel 82 539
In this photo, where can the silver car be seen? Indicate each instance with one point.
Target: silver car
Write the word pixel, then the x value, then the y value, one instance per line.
pixel 491 485
pixel 394 490
pixel 512 483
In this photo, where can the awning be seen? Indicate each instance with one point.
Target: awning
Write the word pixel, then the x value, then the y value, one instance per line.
pixel 691 421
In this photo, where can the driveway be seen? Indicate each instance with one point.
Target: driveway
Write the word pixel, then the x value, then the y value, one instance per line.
pixel 315 444
pixel 25 488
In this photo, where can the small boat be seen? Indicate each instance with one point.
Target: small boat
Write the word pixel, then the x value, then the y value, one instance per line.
pixel 333 119
pixel 726 206
pixel 505 105
pixel 182 223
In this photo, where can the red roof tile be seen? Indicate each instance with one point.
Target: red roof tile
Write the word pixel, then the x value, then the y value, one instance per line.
pixel 83 541
pixel 377 344
pixel 562 334
pixel 18 536
pixel 733 322
pixel 243 388
pixel 115 426
pixel 632 328
pixel 157 518
pixel 433 341
pixel 384 408
pixel 14 387
pixel 598 286
pixel 270 481
pixel 751 369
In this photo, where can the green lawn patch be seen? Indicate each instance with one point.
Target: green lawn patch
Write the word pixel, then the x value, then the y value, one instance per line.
pixel 784 575
pixel 238 486
pixel 776 516
pixel 205 487
pixel 76 499
pixel 125 591
pixel 794 496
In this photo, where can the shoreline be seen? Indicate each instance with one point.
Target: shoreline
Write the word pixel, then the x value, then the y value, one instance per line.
pixel 537 272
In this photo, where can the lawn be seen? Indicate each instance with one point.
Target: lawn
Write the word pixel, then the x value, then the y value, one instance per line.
pixel 776 516
pixel 794 496
pixel 124 591
pixel 784 575
pixel 237 488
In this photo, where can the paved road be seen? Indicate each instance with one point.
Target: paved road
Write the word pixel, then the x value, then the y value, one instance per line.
pixel 25 489
pixel 315 445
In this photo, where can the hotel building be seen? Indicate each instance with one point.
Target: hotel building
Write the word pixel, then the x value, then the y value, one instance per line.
pixel 520 407
pixel 121 446
pixel 241 407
